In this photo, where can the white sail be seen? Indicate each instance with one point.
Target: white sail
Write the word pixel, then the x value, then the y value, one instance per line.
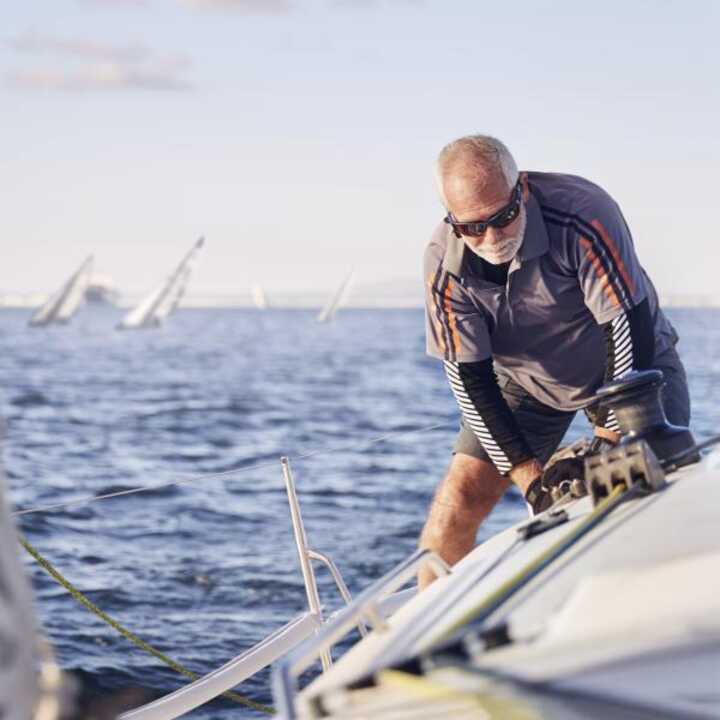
pixel 62 305
pixel 154 308
pixel 259 297
pixel 328 312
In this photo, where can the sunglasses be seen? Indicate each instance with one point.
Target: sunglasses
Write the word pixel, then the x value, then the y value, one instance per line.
pixel 500 219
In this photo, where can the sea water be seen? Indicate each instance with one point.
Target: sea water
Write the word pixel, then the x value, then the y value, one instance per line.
pixel 204 568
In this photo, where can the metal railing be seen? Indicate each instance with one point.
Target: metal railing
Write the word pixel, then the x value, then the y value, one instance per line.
pixel 283 640
pixel 228 676
pixel 367 606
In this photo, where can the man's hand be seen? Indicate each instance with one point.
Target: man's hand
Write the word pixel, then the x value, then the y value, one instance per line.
pixel 537 497
pixel 610 435
pixel 559 476
pixel 527 476
pixel 563 471
pixel 603 439
pixel 524 474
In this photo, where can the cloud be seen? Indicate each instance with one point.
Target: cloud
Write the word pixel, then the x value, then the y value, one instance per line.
pixel 99 77
pixel 371 4
pixel 36 44
pixel 116 3
pixel 91 66
pixel 248 7
pixel 281 7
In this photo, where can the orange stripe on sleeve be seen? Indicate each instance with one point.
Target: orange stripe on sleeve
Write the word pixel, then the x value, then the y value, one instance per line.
pixel 616 254
pixel 600 272
pixel 438 325
pixel 452 320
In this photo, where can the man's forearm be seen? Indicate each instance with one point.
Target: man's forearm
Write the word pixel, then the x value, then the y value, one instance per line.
pixel 487 413
pixel 525 473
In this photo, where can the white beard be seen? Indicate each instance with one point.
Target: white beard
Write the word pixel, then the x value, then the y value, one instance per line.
pixel 506 249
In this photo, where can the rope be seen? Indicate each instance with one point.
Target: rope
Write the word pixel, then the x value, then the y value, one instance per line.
pixel 506 590
pixel 227 473
pixel 128 634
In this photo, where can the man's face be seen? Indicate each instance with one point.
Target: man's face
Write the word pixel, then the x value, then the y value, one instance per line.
pixel 468 202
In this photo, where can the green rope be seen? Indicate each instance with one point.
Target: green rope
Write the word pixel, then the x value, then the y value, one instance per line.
pixel 139 642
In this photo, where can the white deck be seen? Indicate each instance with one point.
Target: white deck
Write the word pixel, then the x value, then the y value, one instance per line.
pixel 632 611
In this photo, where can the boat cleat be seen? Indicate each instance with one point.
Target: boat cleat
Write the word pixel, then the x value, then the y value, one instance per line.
pixel 633 465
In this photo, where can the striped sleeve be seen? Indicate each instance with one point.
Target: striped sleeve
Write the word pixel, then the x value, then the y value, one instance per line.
pixel 630 341
pixel 486 412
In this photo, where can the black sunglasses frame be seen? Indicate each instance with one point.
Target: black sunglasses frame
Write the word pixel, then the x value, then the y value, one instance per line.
pixel 502 218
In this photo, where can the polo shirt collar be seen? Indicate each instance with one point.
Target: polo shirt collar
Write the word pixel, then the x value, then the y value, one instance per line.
pixel 535 242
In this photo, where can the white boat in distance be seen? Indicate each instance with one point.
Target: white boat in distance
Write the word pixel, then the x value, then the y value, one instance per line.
pixel 259 298
pixel 63 304
pixel 154 308
pixel 338 299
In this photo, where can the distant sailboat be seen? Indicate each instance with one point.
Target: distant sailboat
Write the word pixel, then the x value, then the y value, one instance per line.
pixel 154 308
pixel 101 290
pixel 259 298
pixel 328 312
pixel 62 305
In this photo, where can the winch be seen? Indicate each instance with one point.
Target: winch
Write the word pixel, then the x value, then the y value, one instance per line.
pixel 636 401
pixel 648 439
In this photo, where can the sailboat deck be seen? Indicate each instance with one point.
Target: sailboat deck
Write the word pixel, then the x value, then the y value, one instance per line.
pixel 592 618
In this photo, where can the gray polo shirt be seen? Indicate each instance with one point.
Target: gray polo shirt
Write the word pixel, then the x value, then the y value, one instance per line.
pixel 576 270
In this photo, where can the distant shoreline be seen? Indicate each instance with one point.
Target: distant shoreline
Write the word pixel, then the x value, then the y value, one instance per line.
pixel 403 295
pixel 315 303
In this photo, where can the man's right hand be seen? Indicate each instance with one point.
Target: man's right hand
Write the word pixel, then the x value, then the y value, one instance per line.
pixel 528 478
pixel 525 473
pixel 538 497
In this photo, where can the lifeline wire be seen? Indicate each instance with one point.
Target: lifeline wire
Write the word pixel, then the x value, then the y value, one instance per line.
pixel 224 474
pixel 670 464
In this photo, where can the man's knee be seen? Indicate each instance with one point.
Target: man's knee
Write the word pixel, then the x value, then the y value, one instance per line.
pixel 474 481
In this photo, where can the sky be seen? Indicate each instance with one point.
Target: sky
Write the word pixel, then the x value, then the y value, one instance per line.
pixel 299 136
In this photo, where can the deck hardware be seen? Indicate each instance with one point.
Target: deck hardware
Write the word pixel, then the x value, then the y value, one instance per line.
pixel 539 525
pixel 633 465
pixel 636 402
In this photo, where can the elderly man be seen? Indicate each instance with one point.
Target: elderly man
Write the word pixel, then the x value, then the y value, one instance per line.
pixel 534 298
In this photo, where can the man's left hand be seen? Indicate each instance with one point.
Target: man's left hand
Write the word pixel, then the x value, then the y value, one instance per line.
pixel 563 471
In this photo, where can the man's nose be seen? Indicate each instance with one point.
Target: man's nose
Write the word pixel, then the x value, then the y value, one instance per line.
pixel 491 236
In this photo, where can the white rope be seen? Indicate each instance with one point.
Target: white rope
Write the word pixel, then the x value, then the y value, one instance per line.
pixel 226 473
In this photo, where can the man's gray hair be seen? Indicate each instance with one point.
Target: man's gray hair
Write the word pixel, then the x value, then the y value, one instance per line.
pixel 477 155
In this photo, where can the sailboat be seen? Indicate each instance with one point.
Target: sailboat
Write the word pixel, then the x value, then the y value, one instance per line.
pixel 328 312
pixel 63 304
pixel 259 297
pixel 154 308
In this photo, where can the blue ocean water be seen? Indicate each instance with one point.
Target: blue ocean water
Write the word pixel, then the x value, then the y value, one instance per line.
pixel 206 568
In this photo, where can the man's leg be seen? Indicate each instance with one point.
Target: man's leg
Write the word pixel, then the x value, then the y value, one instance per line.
pixel 462 501
pixel 473 486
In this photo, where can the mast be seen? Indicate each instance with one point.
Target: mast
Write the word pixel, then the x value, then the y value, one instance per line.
pixel 328 312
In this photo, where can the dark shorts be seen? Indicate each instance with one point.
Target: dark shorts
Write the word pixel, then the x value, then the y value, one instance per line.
pixel 544 427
